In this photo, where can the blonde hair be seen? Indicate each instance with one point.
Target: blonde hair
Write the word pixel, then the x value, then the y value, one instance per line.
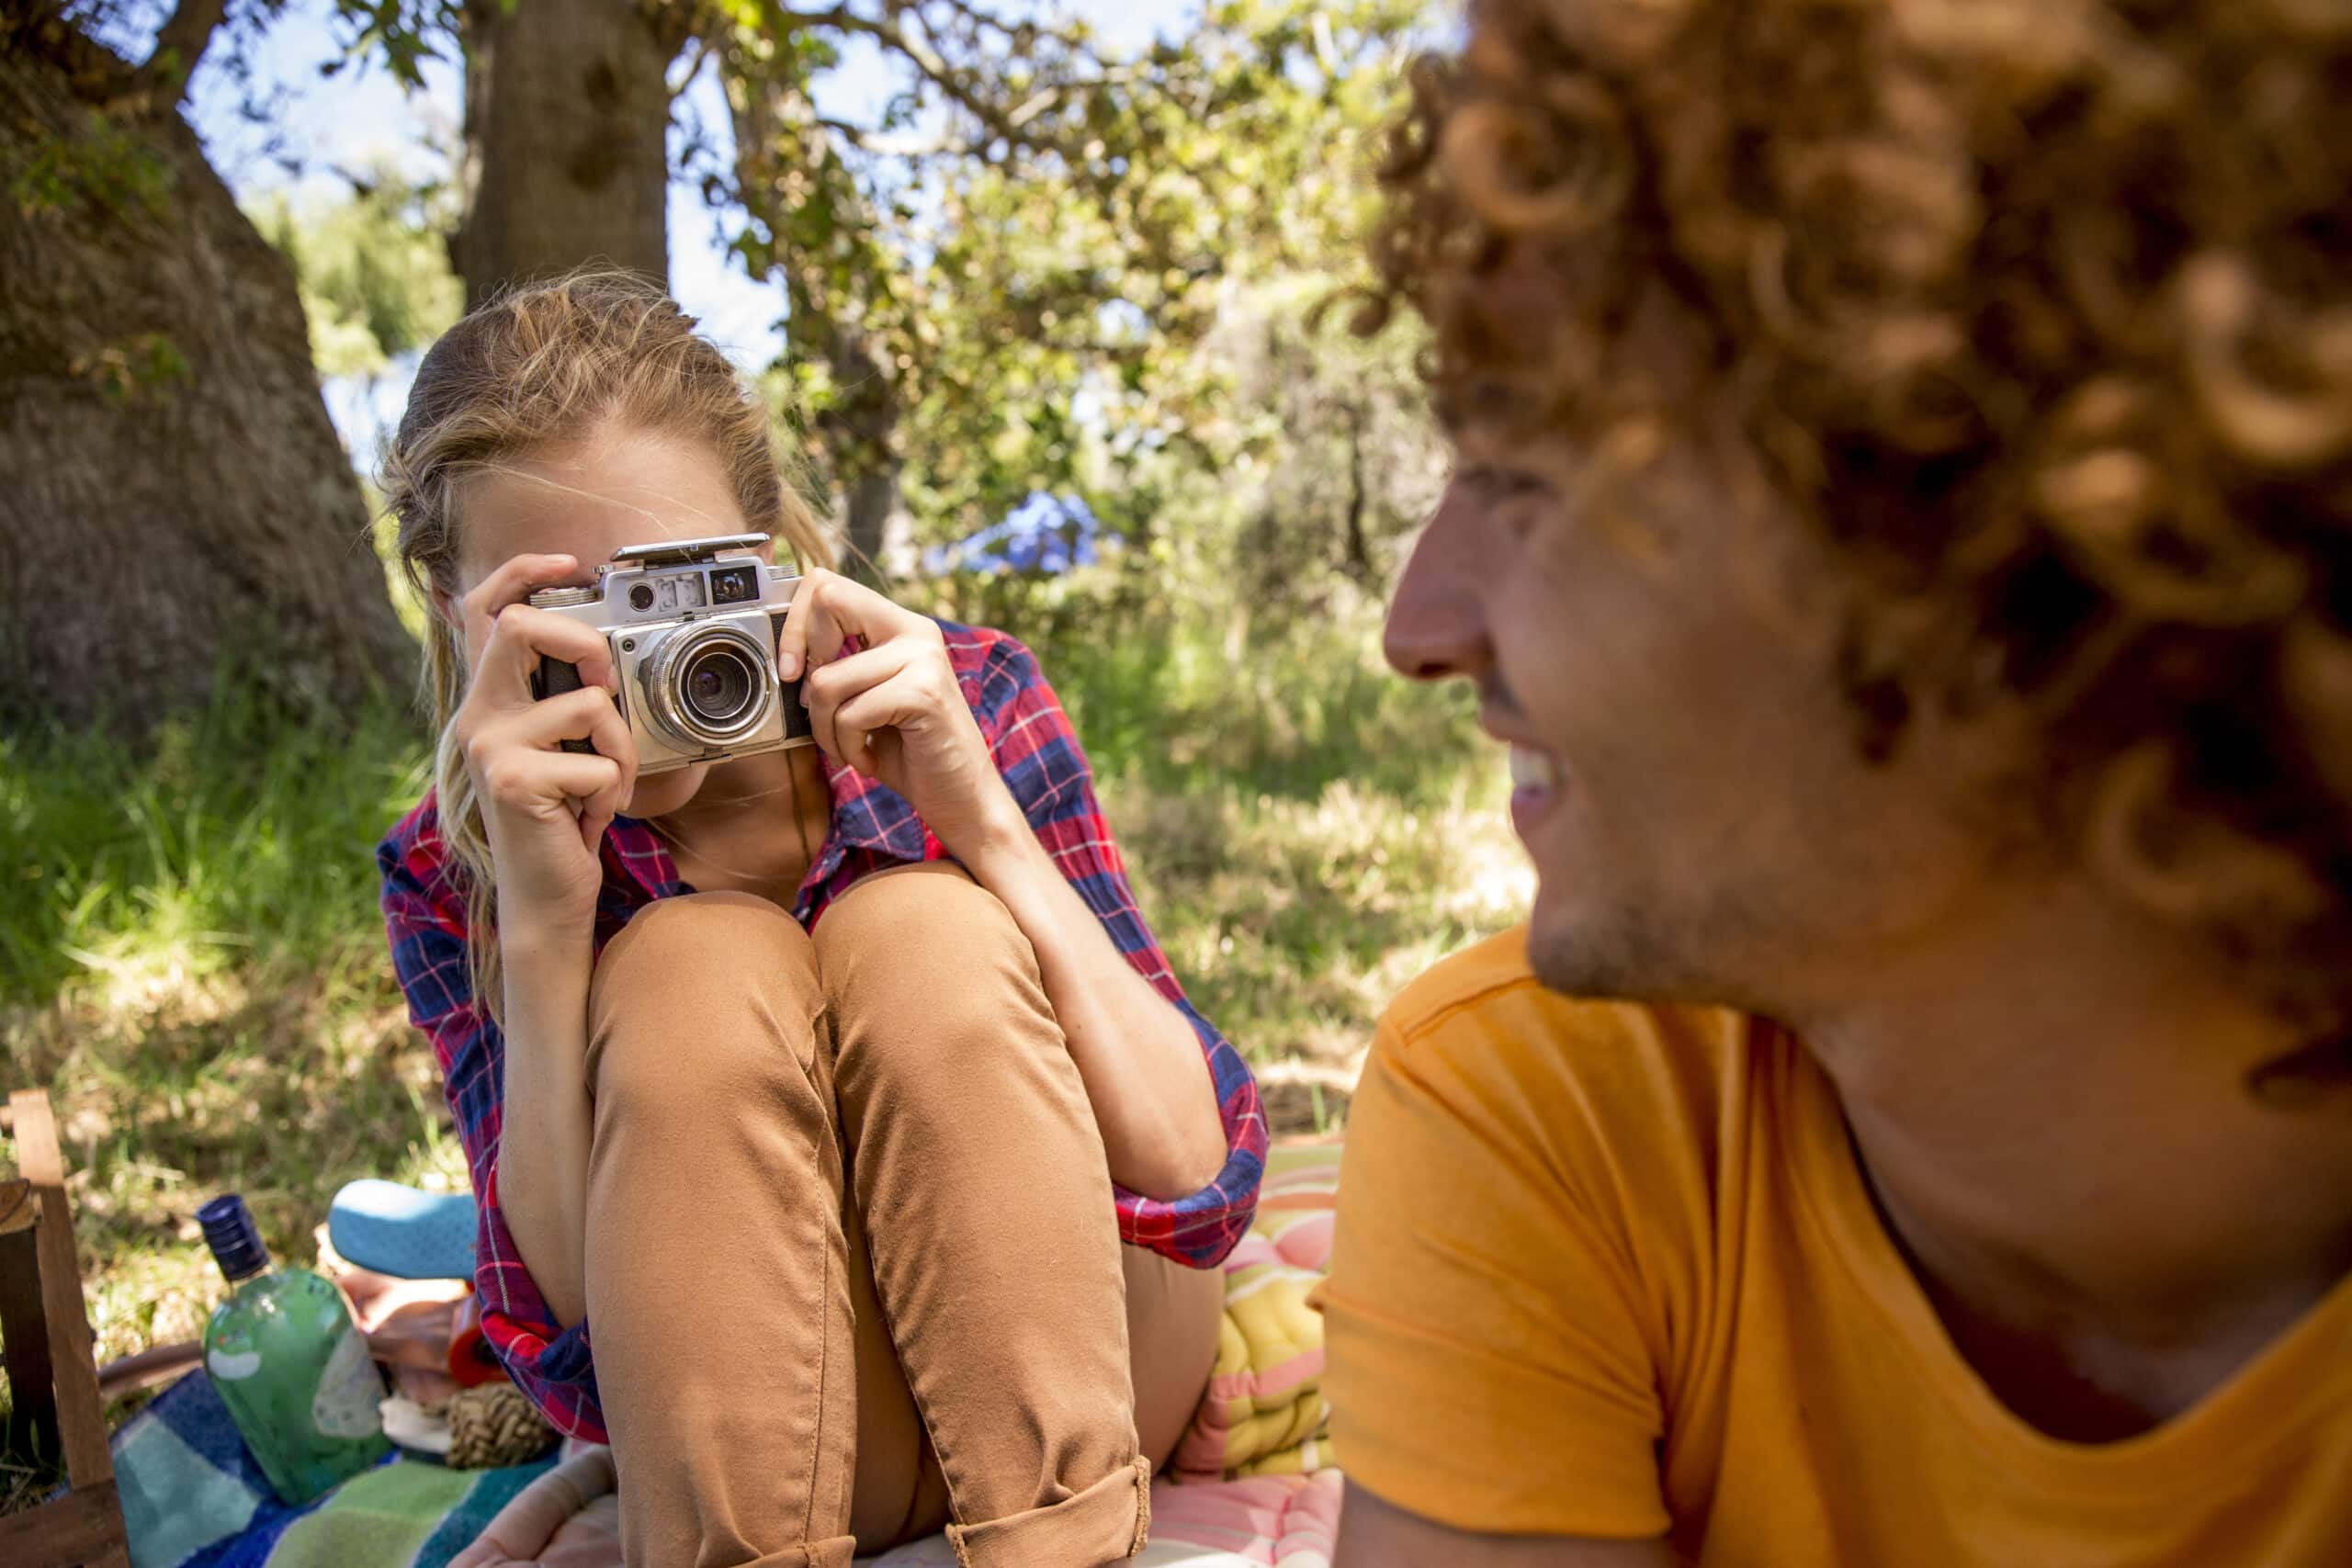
pixel 532 368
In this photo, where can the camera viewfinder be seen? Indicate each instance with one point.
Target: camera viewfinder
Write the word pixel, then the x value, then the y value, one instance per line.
pixel 734 585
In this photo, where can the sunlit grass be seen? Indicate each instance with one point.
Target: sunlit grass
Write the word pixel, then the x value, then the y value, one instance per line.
pixel 1291 923
pixel 192 961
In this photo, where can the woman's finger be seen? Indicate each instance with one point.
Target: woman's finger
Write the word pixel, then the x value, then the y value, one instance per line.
pixel 521 637
pixel 515 581
pixel 792 640
pixel 828 609
pixel 829 685
pixel 902 700
pixel 587 715
pixel 590 714
pixel 520 778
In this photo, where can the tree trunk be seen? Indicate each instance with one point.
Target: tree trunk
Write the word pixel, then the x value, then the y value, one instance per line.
pixel 173 503
pixel 567 120
pixel 860 430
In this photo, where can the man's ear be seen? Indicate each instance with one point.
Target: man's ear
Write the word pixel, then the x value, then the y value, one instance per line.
pixel 445 608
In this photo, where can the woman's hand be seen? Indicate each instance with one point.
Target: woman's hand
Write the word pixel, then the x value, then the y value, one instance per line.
pixel 893 710
pixel 543 809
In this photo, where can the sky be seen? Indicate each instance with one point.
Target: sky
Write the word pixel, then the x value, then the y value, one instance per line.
pixel 362 118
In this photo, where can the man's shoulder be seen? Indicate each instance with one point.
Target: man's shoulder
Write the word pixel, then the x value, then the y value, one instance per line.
pixel 1483 974
pixel 1527 1250
pixel 1481 1030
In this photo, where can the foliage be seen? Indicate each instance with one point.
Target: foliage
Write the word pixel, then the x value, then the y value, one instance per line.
pixel 128 365
pixel 107 167
pixel 228 841
pixel 1173 702
pixel 1001 279
pixel 189 960
pixel 190 955
pixel 1037 310
pixel 373 268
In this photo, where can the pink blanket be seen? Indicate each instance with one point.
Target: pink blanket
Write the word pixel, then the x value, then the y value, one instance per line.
pixel 569 1519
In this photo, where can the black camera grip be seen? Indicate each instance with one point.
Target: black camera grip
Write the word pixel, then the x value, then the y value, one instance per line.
pixel 552 679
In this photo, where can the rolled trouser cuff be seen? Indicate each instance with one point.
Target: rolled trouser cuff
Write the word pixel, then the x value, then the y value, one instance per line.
pixel 841 1551
pixel 1107 1522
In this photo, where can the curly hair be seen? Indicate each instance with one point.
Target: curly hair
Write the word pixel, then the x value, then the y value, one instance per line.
pixel 2040 311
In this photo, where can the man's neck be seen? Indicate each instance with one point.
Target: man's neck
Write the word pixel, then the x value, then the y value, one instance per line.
pixel 2052 1117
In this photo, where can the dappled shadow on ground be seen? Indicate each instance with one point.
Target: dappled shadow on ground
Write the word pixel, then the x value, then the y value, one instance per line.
pixel 1296 1108
pixel 1292 923
pixel 282 1090
pixel 181 1070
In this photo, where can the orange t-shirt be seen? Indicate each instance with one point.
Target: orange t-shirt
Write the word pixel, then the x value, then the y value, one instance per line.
pixel 1611 1271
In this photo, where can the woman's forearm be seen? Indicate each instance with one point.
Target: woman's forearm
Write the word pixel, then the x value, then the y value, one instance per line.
pixel 1145 1073
pixel 544 1132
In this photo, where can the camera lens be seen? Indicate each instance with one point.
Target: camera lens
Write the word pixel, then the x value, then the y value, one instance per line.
pixel 709 685
pixel 718 685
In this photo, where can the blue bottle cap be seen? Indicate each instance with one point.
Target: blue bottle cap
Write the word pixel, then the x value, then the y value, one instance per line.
pixel 235 1240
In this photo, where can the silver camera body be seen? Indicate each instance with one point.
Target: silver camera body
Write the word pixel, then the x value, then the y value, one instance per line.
pixel 692 624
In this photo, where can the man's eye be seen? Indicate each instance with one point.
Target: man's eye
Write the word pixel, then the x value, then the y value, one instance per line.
pixel 1514 502
pixel 1504 484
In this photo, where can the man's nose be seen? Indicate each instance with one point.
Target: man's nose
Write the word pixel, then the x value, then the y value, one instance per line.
pixel 1437 616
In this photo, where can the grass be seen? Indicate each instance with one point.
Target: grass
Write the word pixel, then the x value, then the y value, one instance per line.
pixel 191 960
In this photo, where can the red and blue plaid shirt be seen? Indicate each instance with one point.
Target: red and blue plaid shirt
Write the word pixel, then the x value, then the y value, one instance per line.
pixel 1036 749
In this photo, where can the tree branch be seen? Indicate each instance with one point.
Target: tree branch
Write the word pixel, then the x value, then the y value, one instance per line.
pixel 975 17
pixel 955 86
pixel 180 43
pixel 897 145
pixel 703 55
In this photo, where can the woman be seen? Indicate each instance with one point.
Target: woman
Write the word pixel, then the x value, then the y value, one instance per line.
pixel 838 1095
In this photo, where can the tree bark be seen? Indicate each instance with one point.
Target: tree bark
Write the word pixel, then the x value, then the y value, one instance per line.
pixel 173 503
pixel 860 432
pixel 567 119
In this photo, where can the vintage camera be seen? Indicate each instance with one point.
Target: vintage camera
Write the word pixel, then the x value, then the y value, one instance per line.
pixel 692 624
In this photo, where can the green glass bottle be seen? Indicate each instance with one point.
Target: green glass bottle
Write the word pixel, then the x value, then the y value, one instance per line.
pixel 289 1363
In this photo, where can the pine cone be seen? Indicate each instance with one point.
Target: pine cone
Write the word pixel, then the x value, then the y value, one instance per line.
pixel 495 1424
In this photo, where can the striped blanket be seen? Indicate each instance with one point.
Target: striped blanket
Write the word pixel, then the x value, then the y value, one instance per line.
pixel 192 1497
pixel 1264 1412
pixel 1251 1484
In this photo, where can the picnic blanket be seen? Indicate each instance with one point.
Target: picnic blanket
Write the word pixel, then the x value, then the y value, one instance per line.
pixel 1252 1481
pixel 193 1498
pixel 1265 1413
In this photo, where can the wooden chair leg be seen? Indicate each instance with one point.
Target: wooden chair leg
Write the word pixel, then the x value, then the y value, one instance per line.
pixel 84 1526
pixel 31 1433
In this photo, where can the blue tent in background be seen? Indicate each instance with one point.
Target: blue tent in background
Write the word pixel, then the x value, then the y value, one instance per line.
pixel 1045 534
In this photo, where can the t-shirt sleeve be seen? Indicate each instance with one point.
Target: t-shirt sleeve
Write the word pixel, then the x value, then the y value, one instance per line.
pixel 1491 1361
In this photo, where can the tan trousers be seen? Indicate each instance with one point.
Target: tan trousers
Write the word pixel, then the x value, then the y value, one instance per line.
pixel 853 1269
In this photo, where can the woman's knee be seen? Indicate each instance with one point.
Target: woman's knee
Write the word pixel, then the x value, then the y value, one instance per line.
pixel 921 965
pixel 700 991
pixel 924 931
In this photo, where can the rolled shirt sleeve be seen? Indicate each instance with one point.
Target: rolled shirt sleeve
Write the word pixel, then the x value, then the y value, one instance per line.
pixel 1037 750
pixel 423 920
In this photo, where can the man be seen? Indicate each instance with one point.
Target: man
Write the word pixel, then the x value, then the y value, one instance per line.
pixel 1903 529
